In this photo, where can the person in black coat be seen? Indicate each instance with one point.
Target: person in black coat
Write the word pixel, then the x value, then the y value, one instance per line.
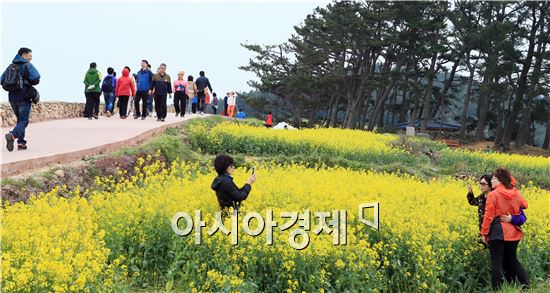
pixel 228 194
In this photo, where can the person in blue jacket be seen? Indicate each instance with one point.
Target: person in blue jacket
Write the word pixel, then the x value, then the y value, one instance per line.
pixel 144 84
pixel 20 99
pixel 108 86
pixel 240 115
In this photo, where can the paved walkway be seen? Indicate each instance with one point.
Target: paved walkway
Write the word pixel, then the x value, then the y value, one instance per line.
pixel 67 140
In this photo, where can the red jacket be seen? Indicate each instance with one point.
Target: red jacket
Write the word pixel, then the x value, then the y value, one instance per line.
pixel 502 201
pixel 125 85
pixel 269 119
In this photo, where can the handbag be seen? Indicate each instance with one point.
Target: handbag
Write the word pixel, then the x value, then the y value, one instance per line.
pixel 34 95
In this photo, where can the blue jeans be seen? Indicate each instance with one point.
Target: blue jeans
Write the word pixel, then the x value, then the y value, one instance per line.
pixel 109 101
pixel 22 110
pixel 150 104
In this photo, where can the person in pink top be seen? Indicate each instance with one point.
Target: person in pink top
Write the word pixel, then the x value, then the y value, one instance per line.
pixel 125 88
pixel 180 95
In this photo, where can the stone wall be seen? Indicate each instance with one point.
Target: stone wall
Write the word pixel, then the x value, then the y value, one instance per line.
pixel 43 111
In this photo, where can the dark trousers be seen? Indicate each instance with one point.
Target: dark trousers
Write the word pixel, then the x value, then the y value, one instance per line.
pixel 194 108
pixel 92 104
pixel 160 105
pixel 202 99
pixel 180 102
pixel 150 104
pixel 504 257
pixel 215 110
pixel 144 97
pixel 123 105
pixel 22 110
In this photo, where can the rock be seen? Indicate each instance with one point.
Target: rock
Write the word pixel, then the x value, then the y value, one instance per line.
pixel 43 111
pixel 59 173
pixel 424 135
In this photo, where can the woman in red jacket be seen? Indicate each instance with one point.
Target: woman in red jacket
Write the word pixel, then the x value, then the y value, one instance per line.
pixel 503 237
pixel 125 88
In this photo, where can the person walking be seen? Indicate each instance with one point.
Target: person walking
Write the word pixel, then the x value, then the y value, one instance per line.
pixel 92 80
pixel 180 95
pixel 215 103
pixel 202 83
pixel 125 88
pixel 225 103
pixel 143 80
pixel 161 86
pixel 19 95
pixel 150 96
pixel 108 86
pixel 191 88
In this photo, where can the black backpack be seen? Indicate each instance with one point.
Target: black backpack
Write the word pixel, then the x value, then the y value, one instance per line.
pixel 13 79
pixel 107 85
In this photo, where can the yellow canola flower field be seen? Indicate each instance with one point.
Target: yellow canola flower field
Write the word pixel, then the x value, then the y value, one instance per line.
pixel 334 138
pixel 123 235
pixel 512 161
pixel 364 147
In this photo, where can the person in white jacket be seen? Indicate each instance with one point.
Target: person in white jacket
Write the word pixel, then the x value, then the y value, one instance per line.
pixel 231 103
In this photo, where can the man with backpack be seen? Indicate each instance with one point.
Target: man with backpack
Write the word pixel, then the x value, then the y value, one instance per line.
pixel 92 90
pixel 19 79
pixel 108 87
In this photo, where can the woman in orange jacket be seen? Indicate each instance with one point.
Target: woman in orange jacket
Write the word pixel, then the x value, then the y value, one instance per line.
pixel 503 237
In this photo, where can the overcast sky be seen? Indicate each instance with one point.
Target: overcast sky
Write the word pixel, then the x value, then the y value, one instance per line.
pixel 186 35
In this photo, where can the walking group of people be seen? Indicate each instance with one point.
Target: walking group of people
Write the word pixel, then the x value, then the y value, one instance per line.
pixel 148 89
pixel 128 91
pixel 500 210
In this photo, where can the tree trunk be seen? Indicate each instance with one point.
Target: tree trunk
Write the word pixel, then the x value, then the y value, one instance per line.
pixel 483 108
pixel 405 105
pixel 364 111
pixel 416 111
pixel 328 111
pixel 380 102
pixel 464 117
pixel 523 133
pixel 546 143
pixel 446 87
pixel 335 109
pixel 522 82
pixel 313 116
pixel 428 96
pixel 502 117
